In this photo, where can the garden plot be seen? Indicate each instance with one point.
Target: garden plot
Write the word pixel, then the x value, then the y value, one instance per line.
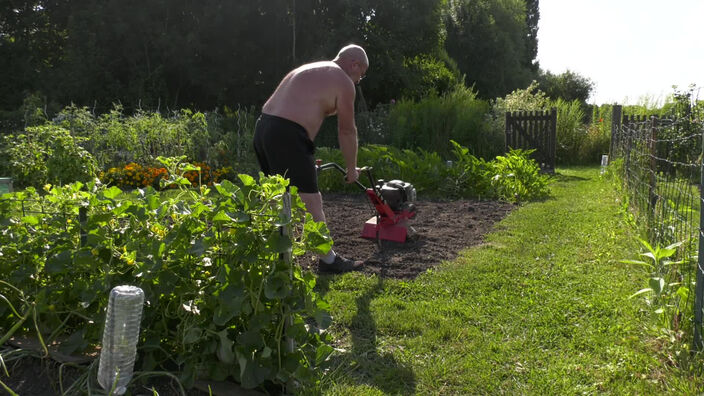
pixel 443 229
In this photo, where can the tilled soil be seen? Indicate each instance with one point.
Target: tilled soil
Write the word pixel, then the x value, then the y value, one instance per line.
pixel 443 228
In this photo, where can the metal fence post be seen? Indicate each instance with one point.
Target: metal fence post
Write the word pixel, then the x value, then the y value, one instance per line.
pixel 652 195
pixel 699 289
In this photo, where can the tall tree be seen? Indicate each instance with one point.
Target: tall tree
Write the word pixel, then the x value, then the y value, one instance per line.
pixel 532 19
pixel 209 53
pixel 488 40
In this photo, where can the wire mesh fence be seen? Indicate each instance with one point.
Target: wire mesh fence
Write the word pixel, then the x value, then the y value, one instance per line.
pixel 661 162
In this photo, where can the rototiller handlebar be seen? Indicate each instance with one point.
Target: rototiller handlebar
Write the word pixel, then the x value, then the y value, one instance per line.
pixel 393 201
pixel 332 165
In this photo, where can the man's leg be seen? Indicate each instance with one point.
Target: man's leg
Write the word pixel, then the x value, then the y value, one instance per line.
pixel 314 204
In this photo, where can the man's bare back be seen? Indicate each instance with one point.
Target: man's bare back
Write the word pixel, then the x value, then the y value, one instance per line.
pixel 297 108
pixel 310 93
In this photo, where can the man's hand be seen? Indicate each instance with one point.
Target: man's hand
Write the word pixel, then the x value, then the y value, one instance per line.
pixel 352 175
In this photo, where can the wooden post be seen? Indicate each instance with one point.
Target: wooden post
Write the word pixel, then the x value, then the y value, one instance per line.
pixel 615 129
pixel 507 128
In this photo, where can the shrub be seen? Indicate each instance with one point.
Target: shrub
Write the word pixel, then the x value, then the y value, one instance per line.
pixel 515 177
pixel 571 132
pixel 45 154
pixel 116 139
pixel 430 124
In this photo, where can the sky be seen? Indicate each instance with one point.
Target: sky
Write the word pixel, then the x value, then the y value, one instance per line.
pixel 633 51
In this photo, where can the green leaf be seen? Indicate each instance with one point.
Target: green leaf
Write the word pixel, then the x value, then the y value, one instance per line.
pixel 277 286
pixel 218 372
pixel 232 298
pixel 683 293
pixel 76 342
pixel 266 353
pixel 222 314
pixel 637 262
pixel 249 338
pixel 152 202
pixel 317 236
pixel 197 248
pixel 240 217
pixel 31 220
pixel 657 284
pixel 192 335
pixel 278 243
pixel 224 351
pixel 641 291
pixel 666 252
pixel 322 318
pixel 252 373
pixel 112 192
pixel 58 262
pixel 322 353
pixel 222 216
pixel 84 257
pixel 247 180
pixel 226 188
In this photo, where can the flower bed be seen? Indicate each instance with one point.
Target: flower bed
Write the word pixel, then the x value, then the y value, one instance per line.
pixel 134 175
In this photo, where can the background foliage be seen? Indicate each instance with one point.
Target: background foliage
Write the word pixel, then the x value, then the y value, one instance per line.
pixel 161 55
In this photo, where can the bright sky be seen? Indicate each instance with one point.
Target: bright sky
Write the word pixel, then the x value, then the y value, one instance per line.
pixel 633 50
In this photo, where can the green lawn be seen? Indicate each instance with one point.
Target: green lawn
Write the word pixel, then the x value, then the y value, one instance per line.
pixel 541 308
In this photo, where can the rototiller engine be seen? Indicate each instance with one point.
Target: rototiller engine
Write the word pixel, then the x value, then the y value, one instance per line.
pixel 394 204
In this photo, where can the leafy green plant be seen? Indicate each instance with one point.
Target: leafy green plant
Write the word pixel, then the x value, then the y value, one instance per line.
pixel 666 293
pixel 467 175
pixel 515 177
pixel 45 154
pixel 221 299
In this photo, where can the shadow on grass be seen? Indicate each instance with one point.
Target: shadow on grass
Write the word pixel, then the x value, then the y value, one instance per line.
pixel 363 363
pixel 568 178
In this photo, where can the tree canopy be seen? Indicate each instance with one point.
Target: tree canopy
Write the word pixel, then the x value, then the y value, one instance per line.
pixel 204 54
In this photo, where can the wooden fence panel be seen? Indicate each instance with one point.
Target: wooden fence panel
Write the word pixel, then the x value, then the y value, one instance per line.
pixel 534 130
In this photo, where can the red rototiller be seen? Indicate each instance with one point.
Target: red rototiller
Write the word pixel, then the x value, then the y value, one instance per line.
pixel 394 204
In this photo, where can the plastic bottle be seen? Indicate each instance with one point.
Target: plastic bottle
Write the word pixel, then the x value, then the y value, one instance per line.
pixel 120 337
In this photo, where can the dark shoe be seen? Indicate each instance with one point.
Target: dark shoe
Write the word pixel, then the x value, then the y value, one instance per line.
pixel 340 265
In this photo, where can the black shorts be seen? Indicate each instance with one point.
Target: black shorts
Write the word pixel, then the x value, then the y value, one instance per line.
pixel 284 148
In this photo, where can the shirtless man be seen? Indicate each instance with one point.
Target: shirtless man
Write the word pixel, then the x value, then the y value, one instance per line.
pixel 291 119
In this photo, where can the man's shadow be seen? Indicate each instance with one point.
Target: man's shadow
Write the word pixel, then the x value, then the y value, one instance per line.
pixel 363 363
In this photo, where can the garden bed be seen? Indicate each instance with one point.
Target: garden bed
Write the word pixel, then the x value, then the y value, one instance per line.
pixel 443 228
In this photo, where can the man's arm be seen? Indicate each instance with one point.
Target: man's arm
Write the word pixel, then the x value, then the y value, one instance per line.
pixel 346 128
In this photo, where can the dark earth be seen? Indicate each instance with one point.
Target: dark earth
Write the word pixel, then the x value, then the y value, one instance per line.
pixel 442 229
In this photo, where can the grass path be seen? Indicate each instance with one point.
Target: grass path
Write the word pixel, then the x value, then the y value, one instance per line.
pixel 541 308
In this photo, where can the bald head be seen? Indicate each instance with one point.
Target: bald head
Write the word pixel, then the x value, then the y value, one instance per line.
pixel 353 52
